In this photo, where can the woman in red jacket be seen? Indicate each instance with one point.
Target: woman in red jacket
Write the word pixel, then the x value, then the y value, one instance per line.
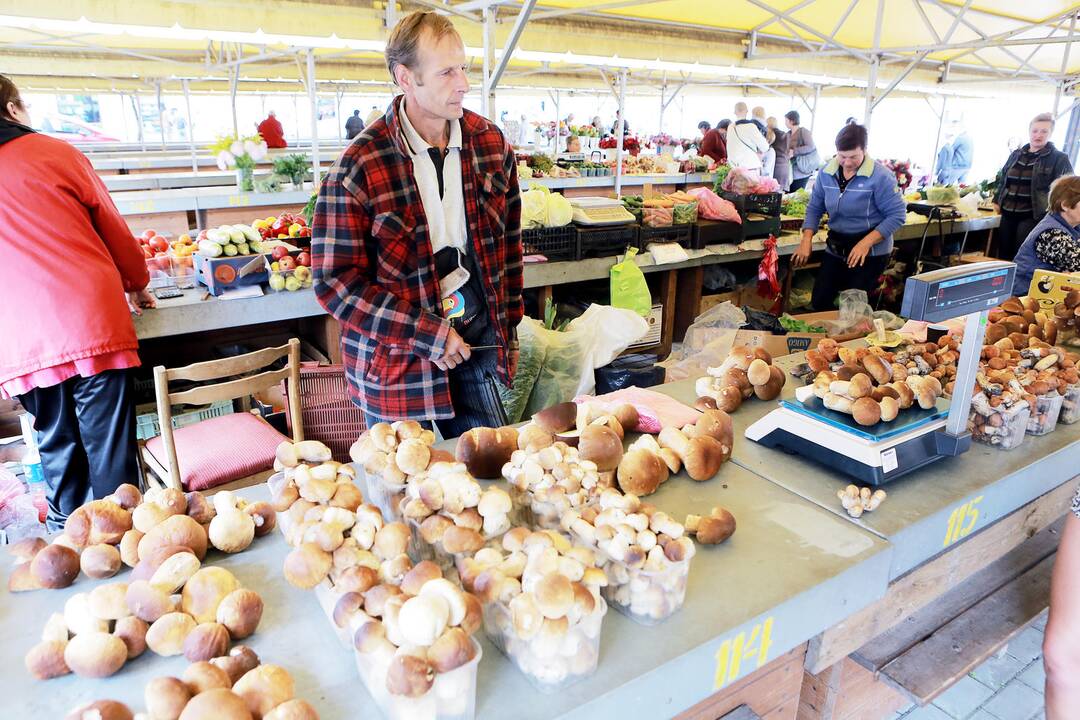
pixel 68 258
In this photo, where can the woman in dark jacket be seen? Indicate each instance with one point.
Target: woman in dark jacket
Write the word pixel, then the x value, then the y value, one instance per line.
pixel 1054 244
pixel 1024 188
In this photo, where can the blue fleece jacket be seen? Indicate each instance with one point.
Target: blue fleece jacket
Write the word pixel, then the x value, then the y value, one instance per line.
pixel 870 201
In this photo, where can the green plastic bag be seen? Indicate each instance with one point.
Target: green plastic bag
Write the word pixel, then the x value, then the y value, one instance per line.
pixel 628 287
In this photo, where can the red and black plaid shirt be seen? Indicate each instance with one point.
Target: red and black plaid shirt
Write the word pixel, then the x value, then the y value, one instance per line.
pixel 374 268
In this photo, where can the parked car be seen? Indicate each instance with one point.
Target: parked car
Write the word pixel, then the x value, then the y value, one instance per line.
pixel 74 131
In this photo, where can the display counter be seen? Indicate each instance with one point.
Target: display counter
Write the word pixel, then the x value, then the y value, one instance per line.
pixel 139 162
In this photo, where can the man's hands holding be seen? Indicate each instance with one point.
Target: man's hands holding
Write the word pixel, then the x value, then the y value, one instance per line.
pixel 456 352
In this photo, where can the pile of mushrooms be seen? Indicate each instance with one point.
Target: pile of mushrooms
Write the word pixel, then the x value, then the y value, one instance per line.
pixel 856 500
pixel 181 608
pixel 389 454
pixel 235 686
pixel 542 603
pixel 746 372
pixel 547 482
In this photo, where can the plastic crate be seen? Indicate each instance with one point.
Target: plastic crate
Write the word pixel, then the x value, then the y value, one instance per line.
pixel 714 232
pixel 682 234
pixel 606 241
pixel 554 243
pixel 147 426
pixel 761 228
pixel 328 413
pixel 763 204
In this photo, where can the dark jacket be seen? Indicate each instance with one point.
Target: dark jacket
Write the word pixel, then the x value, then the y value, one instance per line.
pixel 353 127
pixel 1048 168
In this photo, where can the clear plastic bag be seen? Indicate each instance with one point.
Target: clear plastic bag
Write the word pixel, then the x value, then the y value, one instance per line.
pixel 855 315
pixel 706 342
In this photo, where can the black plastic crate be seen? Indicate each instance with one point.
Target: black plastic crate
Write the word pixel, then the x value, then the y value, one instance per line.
pixel 606 240
pixel 761 228
pixel 762 204
pixel 714 232
pixel 682 234
pixel 554 243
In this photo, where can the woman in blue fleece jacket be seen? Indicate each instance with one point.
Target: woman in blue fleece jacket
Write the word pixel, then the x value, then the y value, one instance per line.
pixel 864 209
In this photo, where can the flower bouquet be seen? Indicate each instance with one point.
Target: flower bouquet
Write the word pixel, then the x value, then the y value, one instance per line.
pixel 241 153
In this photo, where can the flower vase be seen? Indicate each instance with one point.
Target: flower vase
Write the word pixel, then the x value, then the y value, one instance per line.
pixel 245 179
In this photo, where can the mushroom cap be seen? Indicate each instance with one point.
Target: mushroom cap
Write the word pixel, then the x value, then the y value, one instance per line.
pixel 866 411
pixel 641 472
pixel 600 445
pixel 485 450
pixel 703 458
pixel 556 418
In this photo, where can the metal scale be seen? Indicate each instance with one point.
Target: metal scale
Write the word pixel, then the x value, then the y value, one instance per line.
pixel 883 452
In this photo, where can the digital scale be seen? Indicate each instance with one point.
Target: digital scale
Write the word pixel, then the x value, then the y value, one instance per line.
pixel 570 157
pixel 599 211
pixel 880 453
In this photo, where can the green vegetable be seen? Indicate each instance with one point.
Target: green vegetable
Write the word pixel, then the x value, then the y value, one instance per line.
pixel 294 167
pixel 795 203
pixel 309 210
pixel 795 325
pixel 684 213
pixel 541 162
pixel 721 175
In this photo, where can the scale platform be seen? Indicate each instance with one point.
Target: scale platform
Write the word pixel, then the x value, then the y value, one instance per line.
pixel 874 454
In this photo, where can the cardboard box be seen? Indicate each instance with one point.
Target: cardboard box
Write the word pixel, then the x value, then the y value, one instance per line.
pixel 779 345
pixel 655 318
pixel 708 302
pixel 1050 288
pixel 820 318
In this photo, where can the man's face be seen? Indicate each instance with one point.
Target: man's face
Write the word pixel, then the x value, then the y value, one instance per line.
pixel 438 84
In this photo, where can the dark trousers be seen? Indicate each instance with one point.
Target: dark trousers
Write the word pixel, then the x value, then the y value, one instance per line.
pixel 87 439
pixel 798 184
pixel 1014 229
pixel 474 394
pixel 835 276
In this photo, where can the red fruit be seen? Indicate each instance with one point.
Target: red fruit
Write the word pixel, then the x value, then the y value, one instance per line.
pixel 149 234
pixel 305 232
pixel 288 262
pixel 159 244
pixel 147 253
pixel 304 259
pixel 279 252
pixel 264 232
pixel 202 234
pixel 300 221
pixel 280 226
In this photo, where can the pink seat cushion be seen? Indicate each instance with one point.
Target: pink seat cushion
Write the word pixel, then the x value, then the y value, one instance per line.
pixel 219 450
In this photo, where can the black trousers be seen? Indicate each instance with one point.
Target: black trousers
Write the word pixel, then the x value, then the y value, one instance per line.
pixel 1014 229
pixel 835 276
pixel 87 442
pixel 798 184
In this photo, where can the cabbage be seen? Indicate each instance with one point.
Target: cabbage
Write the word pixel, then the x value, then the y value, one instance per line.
pixel 559 211
pixel 542 208
pixel 943 195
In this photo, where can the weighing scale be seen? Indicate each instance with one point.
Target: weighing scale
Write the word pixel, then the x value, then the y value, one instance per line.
pixel 599 211
pixel 880 453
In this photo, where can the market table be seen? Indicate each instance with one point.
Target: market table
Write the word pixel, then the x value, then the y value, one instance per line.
pixel 790 571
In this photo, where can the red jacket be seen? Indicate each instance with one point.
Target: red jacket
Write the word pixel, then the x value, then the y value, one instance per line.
pixel 374 268
pixel 714 146
pixel 66 259
pixel 272 133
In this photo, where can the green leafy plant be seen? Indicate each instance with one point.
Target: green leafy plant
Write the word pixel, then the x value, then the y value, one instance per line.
pixel 309 210
pixel 295 167
pixel 550 317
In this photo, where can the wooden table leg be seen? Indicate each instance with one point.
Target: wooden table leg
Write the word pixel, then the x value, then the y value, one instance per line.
pixel 543 294
pixel 667 296
pixel 688 288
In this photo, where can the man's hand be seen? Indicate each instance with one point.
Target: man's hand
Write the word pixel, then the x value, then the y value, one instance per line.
pixel 801 256
pixel 858 254
pixel 140 299
pixel 456 352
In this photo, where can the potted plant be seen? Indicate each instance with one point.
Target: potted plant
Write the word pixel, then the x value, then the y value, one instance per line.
pixel 241 153
pixel 294 167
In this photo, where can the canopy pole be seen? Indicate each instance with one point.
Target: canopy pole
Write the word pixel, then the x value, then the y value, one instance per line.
pixel 135 102
pixel 234 80
pixel 875 62
pixel 488 32
pixel 160 115
pixel 813 110
pixel 338 94
pixel 937 138
pixel 558 121
pixel 314 118
pixel 621 130
pixel 1064 65
pixel 191 126
pixel 663 105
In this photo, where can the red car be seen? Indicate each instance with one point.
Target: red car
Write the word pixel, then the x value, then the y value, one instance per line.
pixel 72 130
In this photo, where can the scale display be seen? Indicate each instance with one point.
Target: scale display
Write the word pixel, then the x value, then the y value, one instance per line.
pixel 961 290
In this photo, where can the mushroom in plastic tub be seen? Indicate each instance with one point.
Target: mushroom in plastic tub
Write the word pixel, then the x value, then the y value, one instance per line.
pixel 1070 405
pixel 1000 420
pixel 547 482
pixel 390 453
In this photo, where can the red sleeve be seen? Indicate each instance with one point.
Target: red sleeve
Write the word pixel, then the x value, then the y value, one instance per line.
pixel 110 225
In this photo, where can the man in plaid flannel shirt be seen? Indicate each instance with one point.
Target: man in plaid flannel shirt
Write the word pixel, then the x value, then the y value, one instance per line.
pixel 416 245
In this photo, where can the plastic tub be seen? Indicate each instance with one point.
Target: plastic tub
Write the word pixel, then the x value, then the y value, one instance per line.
pixel 549 664
pixel 384 496
pixel 328 599
pixel 1070 405
pixel 646 597
pixel 1044 418
pixel 1001 427
pixel 420 550
pixel 452 696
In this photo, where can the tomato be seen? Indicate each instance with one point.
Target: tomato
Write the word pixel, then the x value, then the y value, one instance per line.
pixel 147 253
pixel 149 234
pixel 159 244
pixel 279 252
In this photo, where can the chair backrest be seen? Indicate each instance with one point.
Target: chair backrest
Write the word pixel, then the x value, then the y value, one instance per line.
pixel 228 390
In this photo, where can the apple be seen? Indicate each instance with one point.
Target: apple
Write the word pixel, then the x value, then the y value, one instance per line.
pixel 147 253
pixel 305 232
pixel 159 244
pixel 277 282
pixel 302 273
pixel 294 230
pixel 280 226
pixel 304 259
pixel 292 284
pixel 279 252
pixel 184 239
pixel 288 262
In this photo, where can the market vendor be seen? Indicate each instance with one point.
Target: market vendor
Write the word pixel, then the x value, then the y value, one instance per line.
pixel 416 245
pixel 1054 244
pixel 69 342
pixel 271 131
pixel 1024 185
pixel 713 144
pixel 573 144
pixel 864 208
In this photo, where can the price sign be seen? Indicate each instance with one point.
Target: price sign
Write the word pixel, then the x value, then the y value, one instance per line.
pixel 753 648
pixel 239 201
pixel 962 521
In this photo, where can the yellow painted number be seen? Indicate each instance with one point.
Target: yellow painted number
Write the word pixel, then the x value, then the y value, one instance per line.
pixel 733 651
pixel 239 200
pixel 962 521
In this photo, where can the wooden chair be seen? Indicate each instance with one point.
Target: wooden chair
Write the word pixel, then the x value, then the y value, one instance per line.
pixel 228 452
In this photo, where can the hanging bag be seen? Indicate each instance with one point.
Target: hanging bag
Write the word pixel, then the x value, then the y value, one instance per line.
pixel 628 287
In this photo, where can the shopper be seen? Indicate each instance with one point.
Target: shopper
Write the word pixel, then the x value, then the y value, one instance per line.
pixel 615 126
pixel 1061 641
pixel 768 160
pixel 864 210
pixel 417 244
pixel 598 123
pixel 354 125
pixel 805 159
pixel 778 140
pixel 1054 244
pixel 713 144
pixel 746 146
pixel 961 156
pixel 69 342
pixel 375 113
pixel 1024 187
pixel 272 133
pixel 944 162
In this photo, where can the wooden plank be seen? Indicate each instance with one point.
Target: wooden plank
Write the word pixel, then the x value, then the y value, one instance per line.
pixel 934 665
pixel 925 583
pixel 687 299
pixel 666 295
pixel 920 625
pixel 847 691
pixel 743 712
pixel 229 390
pixel 772 692
pixel 226 367
pixel 173 223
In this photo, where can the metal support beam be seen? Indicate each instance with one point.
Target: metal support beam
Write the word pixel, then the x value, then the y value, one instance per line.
pixel 446 9
pixel 139 119
pixel 512 41
pixel 875 62
pixel 488 32
pixel 160 114
pixel 813 111
pixel 786 15
pixel 563 12
pixel 1064 64
pixel 234 79
pixel 390 17
pixel 621 132
pixel 315 174
pixel 937 138
pixel 609 84
pixel 191 127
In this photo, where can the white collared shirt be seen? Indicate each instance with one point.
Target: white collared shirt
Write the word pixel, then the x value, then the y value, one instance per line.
pixel 445 215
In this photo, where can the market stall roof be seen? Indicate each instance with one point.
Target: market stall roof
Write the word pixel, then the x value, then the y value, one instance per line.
pixel 921 46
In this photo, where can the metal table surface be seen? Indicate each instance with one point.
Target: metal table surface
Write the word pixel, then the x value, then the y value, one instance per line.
pixel 930 509
pixel 790 571
pixel 147 202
